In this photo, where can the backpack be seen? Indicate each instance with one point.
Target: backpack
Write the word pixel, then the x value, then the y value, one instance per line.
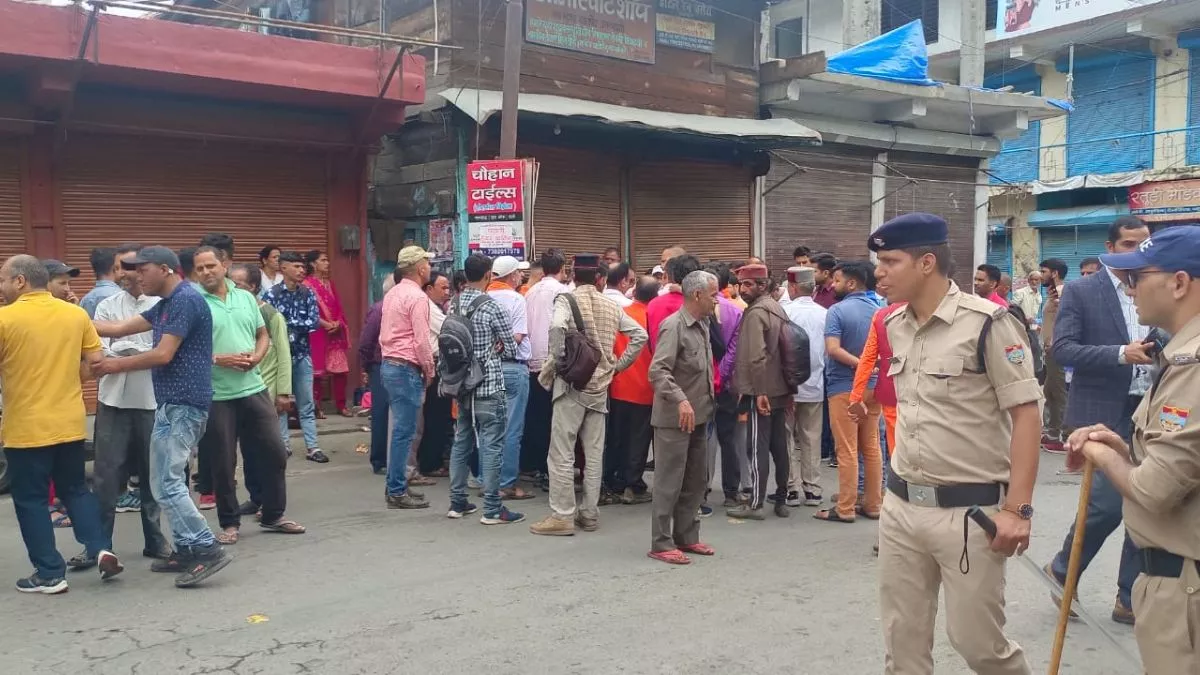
pixel 1036 353
pixel 715 339
pixel 581 356
pixel 458 370
pixel 797 360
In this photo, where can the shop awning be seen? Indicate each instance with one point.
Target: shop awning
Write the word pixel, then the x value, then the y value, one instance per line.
pixel 480 105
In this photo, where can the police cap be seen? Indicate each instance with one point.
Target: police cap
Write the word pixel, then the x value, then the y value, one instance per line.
pixel 911 230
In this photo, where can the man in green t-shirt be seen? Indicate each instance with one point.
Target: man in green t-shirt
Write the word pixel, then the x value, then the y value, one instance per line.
pixel 242 409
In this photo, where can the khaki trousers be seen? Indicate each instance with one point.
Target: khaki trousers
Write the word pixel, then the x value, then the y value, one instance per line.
pixel 680 481
pixel 920 549
pixel 1055 391
pixel 805 448
pixel 571 421
pixel 850 440
pixel 1168 619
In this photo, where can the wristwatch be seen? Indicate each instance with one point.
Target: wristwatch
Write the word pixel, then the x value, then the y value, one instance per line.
pixel 1023 511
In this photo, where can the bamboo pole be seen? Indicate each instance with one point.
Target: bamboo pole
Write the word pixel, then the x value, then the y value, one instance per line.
pixel 1073 563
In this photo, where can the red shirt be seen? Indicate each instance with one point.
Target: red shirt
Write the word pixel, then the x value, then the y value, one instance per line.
pixel 657 311
pixel 632 385
pixel 824 296
pixel 995 297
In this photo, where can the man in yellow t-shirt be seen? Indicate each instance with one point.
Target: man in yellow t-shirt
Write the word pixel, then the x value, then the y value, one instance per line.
pixel 46 347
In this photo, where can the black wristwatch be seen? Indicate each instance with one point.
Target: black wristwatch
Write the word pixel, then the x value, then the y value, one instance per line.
pixel 1023 511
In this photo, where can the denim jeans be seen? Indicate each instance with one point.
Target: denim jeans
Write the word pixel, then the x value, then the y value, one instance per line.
pixel 306 408
pixel 31 470
pixel 177 429
pixel 1103 517
pixel 406 389
pixel 379 419
pixel 481 423
pixel 516 389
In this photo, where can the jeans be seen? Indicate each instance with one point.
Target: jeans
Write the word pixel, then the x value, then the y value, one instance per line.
pixel 406 389
pixel 306 408
pixel 516 388
pixel 177 429
pixel 31 470
pixel 122 450
pixel 1103 517
pixel 379 419
pixel 481 423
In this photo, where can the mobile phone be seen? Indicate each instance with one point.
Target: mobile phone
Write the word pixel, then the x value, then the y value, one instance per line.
pixel 1154 343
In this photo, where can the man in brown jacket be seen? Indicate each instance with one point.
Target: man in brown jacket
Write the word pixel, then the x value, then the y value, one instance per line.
pixel 758 379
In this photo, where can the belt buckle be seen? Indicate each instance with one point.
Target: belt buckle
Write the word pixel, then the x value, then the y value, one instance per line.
pixel 922 495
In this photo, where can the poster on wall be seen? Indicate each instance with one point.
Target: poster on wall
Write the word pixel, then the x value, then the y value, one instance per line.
pixel 441 239
pixel 621 29
pixel 686 24
pixel 1022 17
pixel 499 198
pixel 1166 201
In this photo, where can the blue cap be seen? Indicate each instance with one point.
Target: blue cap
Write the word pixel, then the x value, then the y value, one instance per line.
pixel 909 231
pixel 1172 249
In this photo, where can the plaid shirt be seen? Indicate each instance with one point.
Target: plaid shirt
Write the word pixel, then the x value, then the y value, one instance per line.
pixel 491 338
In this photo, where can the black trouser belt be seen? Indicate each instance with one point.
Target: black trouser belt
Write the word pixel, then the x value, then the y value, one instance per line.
pixel 945 496
pixel 1159 563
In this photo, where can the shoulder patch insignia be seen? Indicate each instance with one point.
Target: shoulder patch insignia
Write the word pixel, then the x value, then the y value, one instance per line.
pixel 1184 359
pixel 1173 419
pixel 1015 354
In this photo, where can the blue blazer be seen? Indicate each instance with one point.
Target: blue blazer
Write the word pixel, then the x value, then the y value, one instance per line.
pixel 1088 335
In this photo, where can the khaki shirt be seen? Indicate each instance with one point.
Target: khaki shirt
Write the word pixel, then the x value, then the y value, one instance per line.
pixel 682 369
pixel 1164 508
pixel 951 426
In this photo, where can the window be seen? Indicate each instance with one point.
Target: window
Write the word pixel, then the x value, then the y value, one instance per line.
pixel 896 13
pixel 991 10
pixel 789 38
pixel 737 40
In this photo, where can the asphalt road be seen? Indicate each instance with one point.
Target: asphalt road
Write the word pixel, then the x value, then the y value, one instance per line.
pixel 369 590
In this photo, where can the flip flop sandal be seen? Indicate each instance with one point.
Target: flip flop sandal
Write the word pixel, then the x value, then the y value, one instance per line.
pixel 862 512
pixel 420 481
pixel 673 557
pixel 831 516
pixel 62 521
pixel 516 494
pixel 284 527
pixel 228 538
pixel 699 548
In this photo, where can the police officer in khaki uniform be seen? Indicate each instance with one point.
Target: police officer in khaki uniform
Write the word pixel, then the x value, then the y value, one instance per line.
pixel 1160 477
pixel 966 434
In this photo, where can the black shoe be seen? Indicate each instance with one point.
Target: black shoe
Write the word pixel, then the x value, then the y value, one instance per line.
pixel 775 499
pixel 174 563
pixel 248 508
pixel 203 564
pixel 793 498
pixel 317 456
pixel 156 555
pixel 83 561
pixel 35 584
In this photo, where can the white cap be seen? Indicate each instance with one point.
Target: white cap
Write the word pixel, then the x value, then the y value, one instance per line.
pixel 657 270
pixel 506 265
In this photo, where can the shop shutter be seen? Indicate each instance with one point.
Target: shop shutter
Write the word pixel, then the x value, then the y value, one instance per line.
pixel 1072 245
pixel 12 229
pixel 943 186
pixel 1112 101
pixel 826 206
pixel 117 189
pixel 999 253
pixel 578 204
pixel 704 207
pixel 1193 136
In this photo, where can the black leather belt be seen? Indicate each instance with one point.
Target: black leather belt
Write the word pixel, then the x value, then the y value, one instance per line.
pixel 1159 563
pixel 401 362
pixel 946 496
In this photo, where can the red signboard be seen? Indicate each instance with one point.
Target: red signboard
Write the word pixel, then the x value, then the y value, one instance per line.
pixel 1165 201
pixel 495 187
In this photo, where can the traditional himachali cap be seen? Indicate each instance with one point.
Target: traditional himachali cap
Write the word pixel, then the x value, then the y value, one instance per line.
pixel 755 272
pixel 801 275
pixel 411 255
pixel 909 231
pixel 58 268
pixel 153 255
pixel 586 261
pixel 506 265
pixel 1173 249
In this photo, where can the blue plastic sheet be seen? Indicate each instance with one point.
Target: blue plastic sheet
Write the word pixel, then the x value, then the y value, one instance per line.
pixel 896 56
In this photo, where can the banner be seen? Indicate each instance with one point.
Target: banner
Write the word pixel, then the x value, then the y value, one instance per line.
pixel 621 29
pixel 495 187
pixel 1166 201
pixel 500 196
pixel 686 24
pixel 1022 17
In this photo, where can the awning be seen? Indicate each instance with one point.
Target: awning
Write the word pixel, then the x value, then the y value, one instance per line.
pixel 480 105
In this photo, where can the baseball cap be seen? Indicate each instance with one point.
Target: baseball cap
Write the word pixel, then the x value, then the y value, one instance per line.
pixel 658 269
pixel 58 268
pixel 1172 249
pixel 506 265
pixel 153 255
pixel 411 255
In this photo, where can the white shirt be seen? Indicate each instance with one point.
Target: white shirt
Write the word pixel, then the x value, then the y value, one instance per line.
pixel 269 282
pixel 436 318
pixel 1140 384
pixel 539 309
pixel 617 297
pixel 514 305
pixel 131 390
pixel 808 315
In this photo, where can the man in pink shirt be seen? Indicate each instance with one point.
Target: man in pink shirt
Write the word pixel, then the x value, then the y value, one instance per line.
pixel 407 367
pixel 669 302
pixel 987 281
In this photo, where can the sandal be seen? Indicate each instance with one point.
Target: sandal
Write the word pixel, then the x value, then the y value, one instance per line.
pixel 421 481
pixel 673 557
pixel 284 527
pixel 831 516
pixel 320 414
pixel 516 494
pixel 62 520
pixel 443 472
pixel 228 537
pixel 698 548
pixel 863 512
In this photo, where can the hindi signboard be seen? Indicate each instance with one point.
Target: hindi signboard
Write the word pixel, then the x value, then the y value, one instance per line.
pixel 1022 17
pixel 495 187
pixel 1166 201
pixel 621 29
pixel 686 24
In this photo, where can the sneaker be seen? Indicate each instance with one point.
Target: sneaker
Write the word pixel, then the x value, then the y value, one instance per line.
pixel 315 455
pixel 631 497
pixel 553 526
pixel 811 499
pixel 704 511
pixel 774 499
pixel 502 517
pixel 82 561
pixel 832 463
pixel 586 524
pixel 208 502
pixel 730 502
pixel 203 564
pixel 781 510
pixel 459 510
pixel 473 483
pixel 156 555
pixel 174 563
pixel 744 512
pixel 110 566
pixel 248 508
pixel 35 584
pixel 793 498
pixel 406 501
pixel 130 502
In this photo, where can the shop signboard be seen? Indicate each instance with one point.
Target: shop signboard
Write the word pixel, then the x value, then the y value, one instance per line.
pixel 686 24
pixel 1166 201
pixel 1022 17
pixel 499 202
pixel 621 29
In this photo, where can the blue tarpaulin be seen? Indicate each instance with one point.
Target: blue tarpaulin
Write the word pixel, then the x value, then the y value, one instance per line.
pixel 896 56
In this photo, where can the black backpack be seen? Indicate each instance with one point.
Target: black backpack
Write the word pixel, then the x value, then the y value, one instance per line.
pixel 797 360
pixel 459 372
pixel 1036 353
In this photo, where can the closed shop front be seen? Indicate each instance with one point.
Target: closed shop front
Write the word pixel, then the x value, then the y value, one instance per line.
pixel 1072 245
pixel 578 204
pixel 999 252
pixel 936 184
pixel 12 230
pixel 706 207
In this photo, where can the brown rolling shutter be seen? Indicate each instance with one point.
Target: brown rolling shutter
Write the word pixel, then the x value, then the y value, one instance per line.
pixel 821 200
pixel 705 207
pixel 578 205
pixel 12 229
pixel 117 189
pixel 952 197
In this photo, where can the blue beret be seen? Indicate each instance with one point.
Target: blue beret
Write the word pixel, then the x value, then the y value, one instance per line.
pixel 909 231
pixel 1171 249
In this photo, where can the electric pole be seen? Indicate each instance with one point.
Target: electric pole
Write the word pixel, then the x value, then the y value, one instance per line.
pixel 514 40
